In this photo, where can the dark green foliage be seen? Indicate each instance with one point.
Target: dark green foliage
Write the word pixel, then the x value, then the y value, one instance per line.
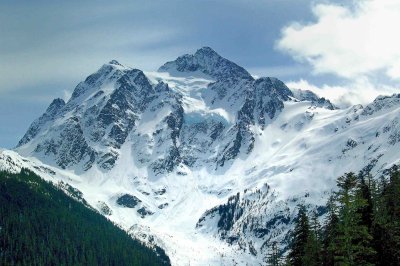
pixel 313 250
pixel 354 238
pixel 362 225
pixel 40 225
pixel 366 211
pixel 387 221
pixel 330 239
pixel 300 238
pixel 306 247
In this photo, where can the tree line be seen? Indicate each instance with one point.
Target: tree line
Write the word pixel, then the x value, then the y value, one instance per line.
pixel 361 226
pixel 40 225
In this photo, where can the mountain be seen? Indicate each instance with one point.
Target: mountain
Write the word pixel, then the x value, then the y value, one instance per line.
pixel 40 225
pixel 205 61
pixel 200 157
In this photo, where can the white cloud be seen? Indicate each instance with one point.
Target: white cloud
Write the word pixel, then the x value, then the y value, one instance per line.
pixel 350 42
pixel 361 91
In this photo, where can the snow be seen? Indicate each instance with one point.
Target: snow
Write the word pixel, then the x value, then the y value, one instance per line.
pixel 192 88
pixel 300 151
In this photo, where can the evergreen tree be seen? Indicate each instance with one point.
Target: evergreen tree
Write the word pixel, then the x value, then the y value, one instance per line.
pixel 313 250
pixel 387 221
pixel 299 238
pixel 354 245
pixel 362 225
pixel 330 238
pixel 365 187
pixel 365 191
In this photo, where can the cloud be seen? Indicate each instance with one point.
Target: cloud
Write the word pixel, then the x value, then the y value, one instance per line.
pixel 348 41
pixel 360 91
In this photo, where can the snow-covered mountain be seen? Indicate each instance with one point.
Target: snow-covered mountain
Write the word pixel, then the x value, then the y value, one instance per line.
pixel 200 157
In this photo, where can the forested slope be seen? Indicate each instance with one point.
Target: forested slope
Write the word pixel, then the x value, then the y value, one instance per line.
pixel 40 225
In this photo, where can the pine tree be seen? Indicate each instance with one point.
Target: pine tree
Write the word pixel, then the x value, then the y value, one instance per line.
pixel 365 187
pixel 313 250
pixel 387 221
pixel 365 213
pixel 299 238
pixel 354 243
pixel 330 238
pixel 362 225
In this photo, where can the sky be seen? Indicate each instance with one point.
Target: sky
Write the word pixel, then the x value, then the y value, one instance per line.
pixel 347 51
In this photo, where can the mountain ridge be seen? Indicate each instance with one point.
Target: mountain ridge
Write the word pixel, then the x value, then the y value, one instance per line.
pixel 205 164
pixel 117 92
pixel 208 62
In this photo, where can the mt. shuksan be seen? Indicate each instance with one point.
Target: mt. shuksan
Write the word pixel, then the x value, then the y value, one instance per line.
pixel 201 158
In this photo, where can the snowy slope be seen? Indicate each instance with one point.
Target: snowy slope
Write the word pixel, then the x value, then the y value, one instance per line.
pixel 200 157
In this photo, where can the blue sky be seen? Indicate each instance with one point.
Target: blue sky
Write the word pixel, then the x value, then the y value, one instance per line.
pixel 48 47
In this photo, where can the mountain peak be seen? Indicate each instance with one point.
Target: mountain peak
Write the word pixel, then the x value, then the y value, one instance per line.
pixel 205 61
pixel 57 102
pixel 115 62
pixel 206 51
pixel 55 106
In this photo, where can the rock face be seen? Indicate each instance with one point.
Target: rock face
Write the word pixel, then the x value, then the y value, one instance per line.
pixel 200 157
pixel 306 95
pixel 208 62
pixel 38 124
pixel 113 106
pixel 93 125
